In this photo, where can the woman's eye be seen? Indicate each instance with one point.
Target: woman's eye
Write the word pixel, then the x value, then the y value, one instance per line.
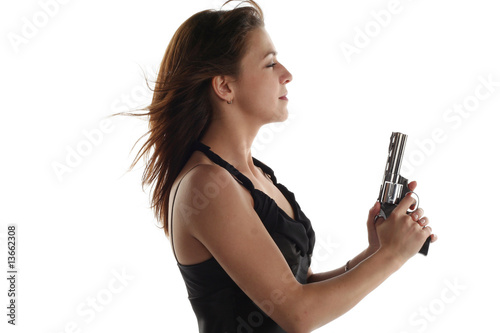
pixel 271 65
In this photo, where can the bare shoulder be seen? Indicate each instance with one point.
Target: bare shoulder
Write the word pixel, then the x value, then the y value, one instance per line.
pixel 206 190
pixel 201 197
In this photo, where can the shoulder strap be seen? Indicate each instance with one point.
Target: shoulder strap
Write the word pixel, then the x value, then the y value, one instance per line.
pixel 226 165
pixel 266 170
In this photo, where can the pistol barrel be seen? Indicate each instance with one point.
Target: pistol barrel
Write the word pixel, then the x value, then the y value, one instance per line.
pixel 396 151
pixel 391 188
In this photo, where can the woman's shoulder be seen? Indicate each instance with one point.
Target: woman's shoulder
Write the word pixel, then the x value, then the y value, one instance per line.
pixel 198 170
pixel 203 185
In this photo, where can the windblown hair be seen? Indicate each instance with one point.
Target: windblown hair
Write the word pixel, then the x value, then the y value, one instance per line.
pixel 208 44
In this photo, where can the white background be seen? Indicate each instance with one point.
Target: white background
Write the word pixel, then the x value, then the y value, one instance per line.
pixel 79 229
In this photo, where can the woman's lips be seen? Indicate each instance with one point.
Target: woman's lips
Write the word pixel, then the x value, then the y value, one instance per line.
pixel 284 98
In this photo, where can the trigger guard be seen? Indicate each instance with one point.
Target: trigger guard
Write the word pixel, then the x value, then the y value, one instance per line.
pixel 417 203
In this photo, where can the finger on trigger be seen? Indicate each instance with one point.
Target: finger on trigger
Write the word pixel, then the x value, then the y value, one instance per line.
pixel 405 204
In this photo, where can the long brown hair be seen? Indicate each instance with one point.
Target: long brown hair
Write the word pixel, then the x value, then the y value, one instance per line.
pixel 208 44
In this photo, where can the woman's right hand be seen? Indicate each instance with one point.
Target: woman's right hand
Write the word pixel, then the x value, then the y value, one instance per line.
pixel 401 234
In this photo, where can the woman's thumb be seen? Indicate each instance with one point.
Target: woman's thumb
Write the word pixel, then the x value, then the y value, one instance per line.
pixel 374 211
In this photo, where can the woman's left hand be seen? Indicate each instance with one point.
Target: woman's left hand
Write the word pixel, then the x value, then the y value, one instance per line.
pixel 373 242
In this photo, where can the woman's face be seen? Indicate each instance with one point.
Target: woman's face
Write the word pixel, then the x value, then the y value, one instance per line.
pixel 260 89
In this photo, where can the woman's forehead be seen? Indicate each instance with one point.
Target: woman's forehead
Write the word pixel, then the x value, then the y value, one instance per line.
pixel 260 46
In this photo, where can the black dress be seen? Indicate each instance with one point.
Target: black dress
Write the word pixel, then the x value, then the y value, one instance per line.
pixel 219 304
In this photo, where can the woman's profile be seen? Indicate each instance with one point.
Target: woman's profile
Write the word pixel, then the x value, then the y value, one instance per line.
pixel 242 242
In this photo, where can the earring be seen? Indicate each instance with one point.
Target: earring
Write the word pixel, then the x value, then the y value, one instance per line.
pixel 230 102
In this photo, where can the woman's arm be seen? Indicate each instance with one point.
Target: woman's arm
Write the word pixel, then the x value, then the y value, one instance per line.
pixel 373 243
pixel 316 277
pixel 232 232
pixel 373 246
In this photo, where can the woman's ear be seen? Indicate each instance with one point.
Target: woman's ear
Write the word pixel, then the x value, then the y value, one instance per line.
pixel 223 88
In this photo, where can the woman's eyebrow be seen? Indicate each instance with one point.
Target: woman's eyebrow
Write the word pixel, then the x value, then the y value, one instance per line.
pixel 274 53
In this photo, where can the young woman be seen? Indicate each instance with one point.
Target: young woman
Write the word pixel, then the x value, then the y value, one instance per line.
pixel 242 243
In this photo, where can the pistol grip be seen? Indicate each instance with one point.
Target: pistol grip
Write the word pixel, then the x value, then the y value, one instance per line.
pixel 386 210
pixel 425 247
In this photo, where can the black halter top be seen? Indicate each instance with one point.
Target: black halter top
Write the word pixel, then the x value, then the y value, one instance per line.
pixel 218 303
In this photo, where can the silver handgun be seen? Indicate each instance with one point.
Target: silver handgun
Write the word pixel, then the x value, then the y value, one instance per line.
pixel 394 186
